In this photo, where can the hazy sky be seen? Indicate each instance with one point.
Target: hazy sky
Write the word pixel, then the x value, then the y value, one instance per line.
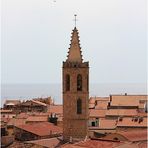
pixel 36 37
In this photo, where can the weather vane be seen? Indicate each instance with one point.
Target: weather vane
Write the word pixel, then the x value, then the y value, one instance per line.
pixel 75 19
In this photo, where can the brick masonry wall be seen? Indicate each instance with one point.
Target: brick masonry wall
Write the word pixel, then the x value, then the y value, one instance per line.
pixel 75 125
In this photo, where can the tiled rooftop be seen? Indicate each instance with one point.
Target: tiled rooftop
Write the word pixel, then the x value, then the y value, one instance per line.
pixel 37 119
pixel 101 104
pixel 22 115
pixel 97 113
pixel 142 144
pixel 93 144
pixel 16 121
pixel 41 129
pixel 102 98
pixel 126 100
pixel 58 109
pixel 135 135
pixel 143 114
pixel 48 143
pixel 121 112
pixel 105 144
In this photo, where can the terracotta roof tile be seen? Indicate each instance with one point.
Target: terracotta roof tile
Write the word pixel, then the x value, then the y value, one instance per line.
pixel 126 100
pixel 135 135
pixel 97 113
pixel 102 98
pixel 142 144
pixel 121 112
pixel 93 100
pixel 16 122
pixel 38 114
pixel 105 144
pixel 101 104
pixel 22 115
pixel 58 109
pixel 93 144
pixel 143 114
pixel 37 119
pixel 48 143
pixel 98 102
pixel 97 144
pixel 41 129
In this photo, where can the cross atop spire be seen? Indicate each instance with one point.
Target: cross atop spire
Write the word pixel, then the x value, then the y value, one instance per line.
pixel 75 19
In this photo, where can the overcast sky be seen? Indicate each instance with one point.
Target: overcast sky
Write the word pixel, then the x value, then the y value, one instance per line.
pixel 36 37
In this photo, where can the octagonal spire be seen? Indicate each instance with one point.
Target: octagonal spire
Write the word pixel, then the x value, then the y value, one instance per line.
pixel 74 54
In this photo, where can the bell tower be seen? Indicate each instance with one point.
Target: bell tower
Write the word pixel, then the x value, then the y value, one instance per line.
pixel 75 92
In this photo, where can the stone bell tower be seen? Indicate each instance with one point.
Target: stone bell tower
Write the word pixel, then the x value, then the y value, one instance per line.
pixel 75 92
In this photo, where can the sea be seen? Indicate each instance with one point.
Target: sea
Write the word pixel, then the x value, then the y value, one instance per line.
pixel 30 91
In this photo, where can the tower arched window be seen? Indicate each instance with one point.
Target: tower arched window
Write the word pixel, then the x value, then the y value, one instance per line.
pixel 79 82
pixel 79 106
pixel 67 82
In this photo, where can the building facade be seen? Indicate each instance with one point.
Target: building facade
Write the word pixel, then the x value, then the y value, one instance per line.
pixel 75 92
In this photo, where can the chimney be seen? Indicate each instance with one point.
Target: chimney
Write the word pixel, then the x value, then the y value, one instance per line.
pixel 53 118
